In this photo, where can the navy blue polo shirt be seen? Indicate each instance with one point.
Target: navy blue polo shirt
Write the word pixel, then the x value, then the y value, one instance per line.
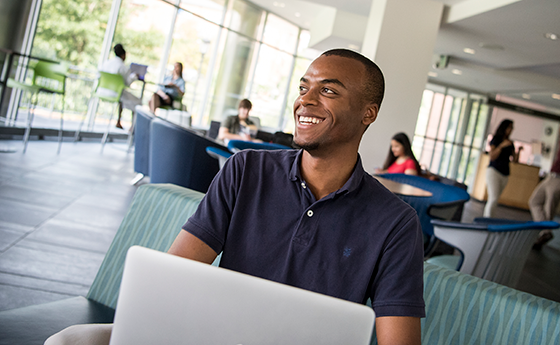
pixel 358 242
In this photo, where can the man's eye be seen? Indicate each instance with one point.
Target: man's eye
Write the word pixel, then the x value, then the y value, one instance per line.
pixel 327 90
pixel 302 88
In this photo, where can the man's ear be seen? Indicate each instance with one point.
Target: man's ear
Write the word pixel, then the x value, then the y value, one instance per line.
pixel 370 114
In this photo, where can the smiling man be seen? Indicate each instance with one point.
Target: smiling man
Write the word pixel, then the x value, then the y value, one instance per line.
pixel 313 218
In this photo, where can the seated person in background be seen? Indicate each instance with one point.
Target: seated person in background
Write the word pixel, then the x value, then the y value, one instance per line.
pixel 173 88
pixel 238 127
pixel 400 159
pixel 116 66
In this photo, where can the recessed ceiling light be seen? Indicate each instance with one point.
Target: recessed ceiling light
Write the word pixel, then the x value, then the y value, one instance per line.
pixel 526 96
pixel 456 71
pixel 551 36
pixel 556 96
pixel 297 14
pixel 432 74
pixel 490 46
pixel 469 51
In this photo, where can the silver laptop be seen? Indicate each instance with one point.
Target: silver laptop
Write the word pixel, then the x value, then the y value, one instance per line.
pixel 139 69
pixel 166 299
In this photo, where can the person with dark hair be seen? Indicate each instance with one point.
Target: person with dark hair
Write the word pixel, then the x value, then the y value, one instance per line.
pixel 313 218
pixel 400 159
pixel 497 173
pixel 116 65
pixel 173 88
pixel 238 127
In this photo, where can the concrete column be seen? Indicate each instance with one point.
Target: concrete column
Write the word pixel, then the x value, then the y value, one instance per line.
pixel 400 36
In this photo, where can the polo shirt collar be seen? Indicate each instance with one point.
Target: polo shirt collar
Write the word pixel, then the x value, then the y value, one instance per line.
pixel 350 185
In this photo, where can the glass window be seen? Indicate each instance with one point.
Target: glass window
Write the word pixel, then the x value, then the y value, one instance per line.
pixel 142 29
pixel 435 114
pixel 280 34
pixel 445 116
pixel 424 113
pixel 212 10
pixel 246 19
pixel 194 41
pixel 231 80
pixel 303 47
pixel 269 85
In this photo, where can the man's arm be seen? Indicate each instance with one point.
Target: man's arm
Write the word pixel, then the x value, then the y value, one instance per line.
pixel 398 330
pixel 191 247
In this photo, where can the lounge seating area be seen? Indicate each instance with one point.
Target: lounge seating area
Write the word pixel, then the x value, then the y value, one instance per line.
pixel 460 308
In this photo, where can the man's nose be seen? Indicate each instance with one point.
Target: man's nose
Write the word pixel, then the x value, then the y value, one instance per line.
pixel 309 98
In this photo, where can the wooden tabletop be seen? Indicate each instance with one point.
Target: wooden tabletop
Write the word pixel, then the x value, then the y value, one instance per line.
pixel 402 188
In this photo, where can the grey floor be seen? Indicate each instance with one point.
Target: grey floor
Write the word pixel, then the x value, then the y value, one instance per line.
pixel 59 213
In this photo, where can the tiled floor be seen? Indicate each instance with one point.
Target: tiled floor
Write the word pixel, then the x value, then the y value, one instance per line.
pixel 58 215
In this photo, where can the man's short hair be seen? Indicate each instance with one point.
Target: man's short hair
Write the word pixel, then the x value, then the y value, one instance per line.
pixel 245 103
pixel 375 83
pixel 119 50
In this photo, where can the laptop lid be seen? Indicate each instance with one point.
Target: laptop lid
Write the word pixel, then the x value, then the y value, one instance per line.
pixel 165 299
pixel 139 69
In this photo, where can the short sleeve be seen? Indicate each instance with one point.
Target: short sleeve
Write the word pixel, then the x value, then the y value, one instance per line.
pixel 409 164
pixel 398 285
pixel 211 220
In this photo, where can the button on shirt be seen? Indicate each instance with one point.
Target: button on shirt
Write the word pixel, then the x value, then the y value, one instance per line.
pixel 356 243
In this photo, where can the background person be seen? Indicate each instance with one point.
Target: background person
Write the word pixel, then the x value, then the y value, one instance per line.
pixel 173 88
pixel 497 173
pixel 544 201
pixel 400 159
pixel 238 127
pixel 116 65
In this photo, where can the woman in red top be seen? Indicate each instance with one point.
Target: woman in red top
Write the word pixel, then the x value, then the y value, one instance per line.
pixel 400 159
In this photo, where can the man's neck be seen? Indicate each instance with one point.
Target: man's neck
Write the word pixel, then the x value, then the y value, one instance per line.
pixel 327 173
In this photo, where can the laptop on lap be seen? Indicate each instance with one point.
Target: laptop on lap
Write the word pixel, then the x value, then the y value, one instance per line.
pixel 166 299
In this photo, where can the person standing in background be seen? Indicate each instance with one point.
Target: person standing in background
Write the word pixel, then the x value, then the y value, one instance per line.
pixel 116 65
pixel 544 201
pixel 497 173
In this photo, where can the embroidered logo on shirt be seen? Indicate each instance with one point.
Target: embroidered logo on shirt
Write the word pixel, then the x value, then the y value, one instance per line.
pixel 347 251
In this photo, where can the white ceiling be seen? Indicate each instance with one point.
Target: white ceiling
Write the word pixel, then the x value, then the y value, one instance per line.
pixel 518 61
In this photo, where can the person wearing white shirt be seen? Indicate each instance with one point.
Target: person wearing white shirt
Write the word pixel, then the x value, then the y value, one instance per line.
pixel 116 65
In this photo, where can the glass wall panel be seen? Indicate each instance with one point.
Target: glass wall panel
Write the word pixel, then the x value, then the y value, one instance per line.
pixel 232 77
pixel 269 85
pixel 280 33
pixel 194 41
pixel 303 47
pixel 435 114
pixel 212 10
pixel 72 31
pixel 301 65
pixel 246 19
pixel 445 116
pixel 424 113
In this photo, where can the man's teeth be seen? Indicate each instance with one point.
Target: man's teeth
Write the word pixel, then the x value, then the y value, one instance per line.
pixel 307 119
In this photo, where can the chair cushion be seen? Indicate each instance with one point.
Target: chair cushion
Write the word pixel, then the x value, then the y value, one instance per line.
pixel 462 309
pixel 34 324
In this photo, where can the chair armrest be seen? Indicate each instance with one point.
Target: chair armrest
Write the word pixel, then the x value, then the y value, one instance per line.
pixel 497 227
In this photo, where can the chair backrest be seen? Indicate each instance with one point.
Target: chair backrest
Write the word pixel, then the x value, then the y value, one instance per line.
pixel 112 82
pixel 462 309
pixel 492 251
pixel 219 154
pixel 214 129
pixel 256 120
pixel 155 217
pixel 50 76
pixel 238 145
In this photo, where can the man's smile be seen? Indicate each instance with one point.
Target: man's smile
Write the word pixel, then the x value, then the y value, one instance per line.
pixel 309 120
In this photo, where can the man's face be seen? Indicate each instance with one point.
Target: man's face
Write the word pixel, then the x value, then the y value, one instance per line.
pixel 243 113
pixel 329 111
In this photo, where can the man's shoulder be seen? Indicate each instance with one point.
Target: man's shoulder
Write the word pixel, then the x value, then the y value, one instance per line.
pixel 383 199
